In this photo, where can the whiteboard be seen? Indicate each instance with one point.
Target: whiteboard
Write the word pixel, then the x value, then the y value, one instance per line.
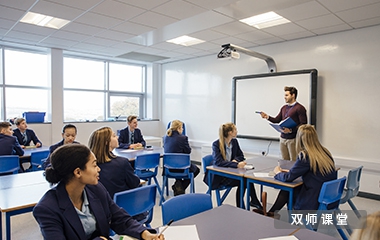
pixel 265 92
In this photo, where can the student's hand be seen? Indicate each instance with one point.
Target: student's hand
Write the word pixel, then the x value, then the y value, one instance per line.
pixel 241 164
pixel 264 115
pixel 22 146
pixel 146 235
pixel 277 169
pixel 38 144
pixel 139 145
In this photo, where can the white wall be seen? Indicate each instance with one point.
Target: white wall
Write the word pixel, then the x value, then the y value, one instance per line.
pixel 198 92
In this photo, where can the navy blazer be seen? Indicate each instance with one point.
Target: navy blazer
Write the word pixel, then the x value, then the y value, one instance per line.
pixel 124 138
pixel 30 135
pixel 218 160
pixel 307 195
pixel 176 143
pixel 10 146
pixel 58 218
pixel 118 175
pixel 51 149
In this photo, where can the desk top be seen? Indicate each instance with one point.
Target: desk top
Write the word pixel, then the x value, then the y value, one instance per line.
pixel 22 179
pixel 228 222
pixel 131 154
pixel 28 151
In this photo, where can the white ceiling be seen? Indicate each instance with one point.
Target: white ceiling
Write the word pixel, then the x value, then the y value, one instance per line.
pixel 139 28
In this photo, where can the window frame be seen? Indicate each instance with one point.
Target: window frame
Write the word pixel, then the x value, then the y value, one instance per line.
pixel 108 93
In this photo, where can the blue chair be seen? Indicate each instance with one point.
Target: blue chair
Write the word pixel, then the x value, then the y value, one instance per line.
pixel 185 205
pixel 329 199
pixel 352 188
pixel 9 164
pixel 208 161
pixel 146 168
pixel 36 160
pixel 176 161
pixel 183 126
pixel 138 200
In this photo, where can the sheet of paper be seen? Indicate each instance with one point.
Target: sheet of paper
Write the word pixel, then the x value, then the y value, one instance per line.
pixel 291 237
pixel 262 174
pixel 128 150
pixel 186 232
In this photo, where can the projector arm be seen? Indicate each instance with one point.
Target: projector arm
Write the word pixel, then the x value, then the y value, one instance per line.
pixel 270 61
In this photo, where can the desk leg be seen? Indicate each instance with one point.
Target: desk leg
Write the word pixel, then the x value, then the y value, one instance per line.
pixel 247 197
pixel 242 190
pixel 290 201
pixel 1 226
pixel 209 177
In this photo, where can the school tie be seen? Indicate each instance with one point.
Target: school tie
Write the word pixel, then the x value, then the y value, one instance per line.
pixel 24 138
pixel 132 138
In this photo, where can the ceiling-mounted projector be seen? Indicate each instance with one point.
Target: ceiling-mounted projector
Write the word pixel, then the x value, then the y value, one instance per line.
pixel 227 53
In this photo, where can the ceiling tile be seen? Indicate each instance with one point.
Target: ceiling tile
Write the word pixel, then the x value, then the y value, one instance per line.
pixel 114 35
pixel 56 10
pixel 340 5
pixel 17 4
pixel 361 13
pixel 320 22
pixel 254 35
pixel 283 29
pixel 303 11
pixel 63 43
pixel 82 28
pixel 233 28
pixel 10 13
pixel 208 35
pixel 4 23
pixel 146 4
pixel 183 9
pixel 101 41
pixel 30 28
pixel 117 10
pixel 132 28
pixel 338 28
pixel 79 4
pixel 152 19
pixel 298 35
pixel 366 23
pixel 78 37
pixel 98 20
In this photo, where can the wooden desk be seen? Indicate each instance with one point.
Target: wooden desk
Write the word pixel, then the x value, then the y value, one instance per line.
pixel 19 193
pixel 228 222
pixel 131 154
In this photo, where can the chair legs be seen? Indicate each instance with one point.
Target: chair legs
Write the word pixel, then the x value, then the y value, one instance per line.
pixel 165 183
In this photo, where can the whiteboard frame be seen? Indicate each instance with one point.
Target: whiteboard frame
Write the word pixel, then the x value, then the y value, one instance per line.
pixel 313 80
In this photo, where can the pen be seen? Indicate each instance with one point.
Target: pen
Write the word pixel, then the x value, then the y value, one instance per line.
pixel 258 112
pixel 167 225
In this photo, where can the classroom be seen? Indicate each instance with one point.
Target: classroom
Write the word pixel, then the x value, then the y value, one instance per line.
pixel 337 38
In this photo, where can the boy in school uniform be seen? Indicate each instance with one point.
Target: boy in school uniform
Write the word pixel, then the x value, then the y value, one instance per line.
pixel 24 135
pixel 8 143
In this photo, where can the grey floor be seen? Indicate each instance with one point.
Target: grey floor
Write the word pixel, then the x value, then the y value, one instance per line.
pixel 25 227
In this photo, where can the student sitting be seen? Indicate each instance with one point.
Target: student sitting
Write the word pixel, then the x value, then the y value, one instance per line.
pixel 131 137
pixel 9 144
pixel 69 133
pixel 314 164
pixel 175 142
pixel 79 207
pixel 227 153
pixel 24 135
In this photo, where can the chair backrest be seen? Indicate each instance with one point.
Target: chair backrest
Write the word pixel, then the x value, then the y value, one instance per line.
pixel 9 164
pixel 353 181
pixel 185 205
pixel 36 157
pixel 147 161
pixel 207 161
pixel 183 127
pixel 176 160
pixel 137 200
pixel 330 193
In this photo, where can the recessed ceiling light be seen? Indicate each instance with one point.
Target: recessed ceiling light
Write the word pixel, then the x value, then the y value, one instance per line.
pixel 44 20
pixel 185 41
pixel 265 20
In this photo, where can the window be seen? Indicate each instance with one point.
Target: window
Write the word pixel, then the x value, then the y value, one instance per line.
pixel 96 90
pixel 26 86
